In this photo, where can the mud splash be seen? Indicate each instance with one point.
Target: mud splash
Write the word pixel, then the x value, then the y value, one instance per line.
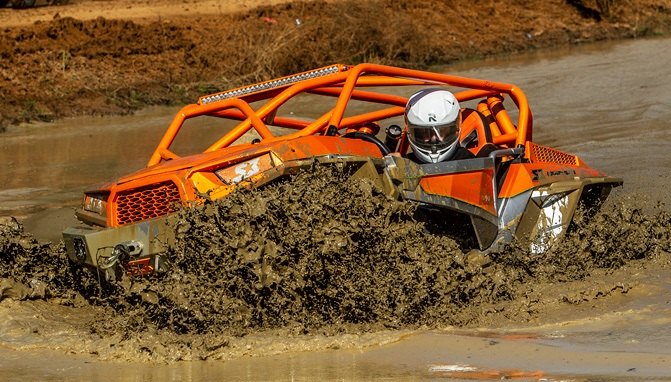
pixel 31 270
pixel 324 255
pixel 320 251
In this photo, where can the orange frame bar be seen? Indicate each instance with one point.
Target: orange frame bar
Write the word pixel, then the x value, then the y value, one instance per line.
pixel 513 91
pixel 345 85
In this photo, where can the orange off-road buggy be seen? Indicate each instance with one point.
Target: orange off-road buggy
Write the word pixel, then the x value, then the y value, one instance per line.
pixel 260 133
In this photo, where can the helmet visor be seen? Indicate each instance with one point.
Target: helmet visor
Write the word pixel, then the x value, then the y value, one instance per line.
pixel 434 137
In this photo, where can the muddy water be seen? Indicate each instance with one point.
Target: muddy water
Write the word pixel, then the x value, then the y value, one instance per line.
pixel 608 104
pixel 46 167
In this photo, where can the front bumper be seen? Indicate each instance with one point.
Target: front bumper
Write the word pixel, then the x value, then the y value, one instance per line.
pixel 92 246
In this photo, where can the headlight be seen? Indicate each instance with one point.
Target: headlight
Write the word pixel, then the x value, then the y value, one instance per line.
pixel 95 203
pixel 245 170
pixel 79 249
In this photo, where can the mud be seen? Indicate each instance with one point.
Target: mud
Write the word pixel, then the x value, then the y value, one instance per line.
pixel 322 256
pixel 33 270
pixel 114 57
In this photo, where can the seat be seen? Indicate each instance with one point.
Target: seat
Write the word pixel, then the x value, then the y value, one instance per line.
pixel 475 134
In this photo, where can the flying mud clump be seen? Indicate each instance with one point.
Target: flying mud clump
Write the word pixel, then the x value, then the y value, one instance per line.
pixel 325 253
pixel 31 270
pixel 319 251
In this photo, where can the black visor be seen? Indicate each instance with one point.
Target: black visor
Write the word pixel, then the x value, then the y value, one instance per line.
pixel 434 136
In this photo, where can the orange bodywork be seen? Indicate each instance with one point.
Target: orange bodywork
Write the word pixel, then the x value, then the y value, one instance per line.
pixel 157 190
pixel 473 187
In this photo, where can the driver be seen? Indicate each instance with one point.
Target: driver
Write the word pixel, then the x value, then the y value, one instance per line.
pixel 433 123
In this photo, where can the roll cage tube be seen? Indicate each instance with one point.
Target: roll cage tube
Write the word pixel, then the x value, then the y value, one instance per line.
pixel 522 135
pixel 190 111
pixel 254 119
pixel 343 86
pixel 317 86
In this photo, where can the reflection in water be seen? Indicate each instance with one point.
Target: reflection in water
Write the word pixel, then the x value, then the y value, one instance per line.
pixel 603 103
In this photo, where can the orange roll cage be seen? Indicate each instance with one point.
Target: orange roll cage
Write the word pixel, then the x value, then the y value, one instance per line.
pixel 345 83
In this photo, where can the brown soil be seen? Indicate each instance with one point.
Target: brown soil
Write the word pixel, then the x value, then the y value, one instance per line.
pixel 100 57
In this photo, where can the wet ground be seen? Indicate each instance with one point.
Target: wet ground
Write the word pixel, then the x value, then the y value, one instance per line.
pixel 603 103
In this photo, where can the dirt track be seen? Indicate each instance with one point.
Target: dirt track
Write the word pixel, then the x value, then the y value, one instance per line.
pixel 101 57
pixel 137 10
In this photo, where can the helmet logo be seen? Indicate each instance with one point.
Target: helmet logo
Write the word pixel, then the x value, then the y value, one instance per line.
pixel 432 117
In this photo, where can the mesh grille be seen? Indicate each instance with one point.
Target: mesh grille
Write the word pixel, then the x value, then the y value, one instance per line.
pixel 545 154
pixel 145 203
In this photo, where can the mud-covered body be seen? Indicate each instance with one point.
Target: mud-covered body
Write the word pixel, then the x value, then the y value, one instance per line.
pixel 519 190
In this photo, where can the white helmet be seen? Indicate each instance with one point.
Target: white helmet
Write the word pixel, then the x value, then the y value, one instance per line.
pixel 432 117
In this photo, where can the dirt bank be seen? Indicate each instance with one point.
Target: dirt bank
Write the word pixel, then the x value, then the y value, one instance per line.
pixel 99 57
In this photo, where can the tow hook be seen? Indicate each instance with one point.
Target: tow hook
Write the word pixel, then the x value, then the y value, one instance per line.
pixel 122 252
pixel 126 254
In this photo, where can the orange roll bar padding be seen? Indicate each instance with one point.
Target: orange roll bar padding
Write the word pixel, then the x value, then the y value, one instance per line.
pixel 493 127
pixel 505 139
pixel 495 105
pixel 470 120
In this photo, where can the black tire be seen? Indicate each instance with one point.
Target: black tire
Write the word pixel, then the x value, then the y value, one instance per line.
pixel 3 3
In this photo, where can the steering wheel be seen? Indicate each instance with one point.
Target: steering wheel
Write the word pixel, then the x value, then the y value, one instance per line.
pixel 369 138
